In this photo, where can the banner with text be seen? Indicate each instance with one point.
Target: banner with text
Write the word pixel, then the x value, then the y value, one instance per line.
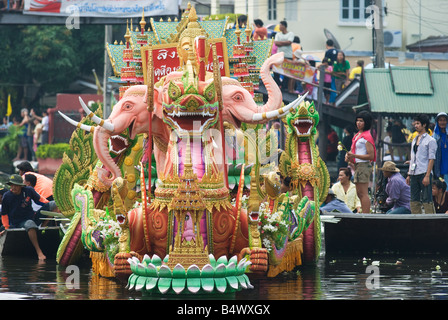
pixel 103 8
pixel 296 70
pixel 166 59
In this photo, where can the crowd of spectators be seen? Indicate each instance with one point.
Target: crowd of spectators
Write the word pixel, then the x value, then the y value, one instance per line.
pixel 34 132
pixel 419 187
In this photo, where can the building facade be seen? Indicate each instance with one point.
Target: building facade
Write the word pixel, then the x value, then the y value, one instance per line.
pixel 349 21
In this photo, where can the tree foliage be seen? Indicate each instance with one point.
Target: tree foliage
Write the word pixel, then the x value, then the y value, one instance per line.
pixel 49 57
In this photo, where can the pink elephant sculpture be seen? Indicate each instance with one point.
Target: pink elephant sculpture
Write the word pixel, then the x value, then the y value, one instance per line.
pixel 186 106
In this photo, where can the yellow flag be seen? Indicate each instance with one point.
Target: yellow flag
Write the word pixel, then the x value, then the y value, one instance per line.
pixel 9 109
pixel 99 90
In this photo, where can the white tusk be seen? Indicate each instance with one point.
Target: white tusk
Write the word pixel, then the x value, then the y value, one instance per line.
pixel 77 124
pixel 279 112
pixel 106 125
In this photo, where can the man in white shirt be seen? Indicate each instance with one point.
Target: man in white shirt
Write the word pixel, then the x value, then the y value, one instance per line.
pixel 423 153
pixel 283 41
pixel 45 127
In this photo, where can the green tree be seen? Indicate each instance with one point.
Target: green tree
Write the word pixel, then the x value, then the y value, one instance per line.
pixel 47 56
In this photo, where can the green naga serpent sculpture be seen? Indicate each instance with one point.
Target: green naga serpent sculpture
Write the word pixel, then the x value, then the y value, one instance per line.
pixel 309 175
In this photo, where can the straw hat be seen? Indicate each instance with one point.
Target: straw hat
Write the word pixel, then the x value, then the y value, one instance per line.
pixel 390 167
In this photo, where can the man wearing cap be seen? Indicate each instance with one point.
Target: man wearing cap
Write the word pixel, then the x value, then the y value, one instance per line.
pixel 398 191
pixel 441 137
pixel 17 210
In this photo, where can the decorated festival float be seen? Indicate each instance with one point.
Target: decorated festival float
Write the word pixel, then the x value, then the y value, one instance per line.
pixel 182 106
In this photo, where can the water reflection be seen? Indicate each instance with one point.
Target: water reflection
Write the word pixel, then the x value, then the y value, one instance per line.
pixel 330 280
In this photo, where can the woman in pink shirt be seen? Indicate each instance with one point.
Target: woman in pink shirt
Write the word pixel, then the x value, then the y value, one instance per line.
pixel 361 154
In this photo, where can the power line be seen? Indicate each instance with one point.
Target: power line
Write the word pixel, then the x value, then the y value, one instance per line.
pixel 417 20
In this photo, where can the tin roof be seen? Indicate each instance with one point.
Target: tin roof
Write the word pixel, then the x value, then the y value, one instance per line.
pixel 406 90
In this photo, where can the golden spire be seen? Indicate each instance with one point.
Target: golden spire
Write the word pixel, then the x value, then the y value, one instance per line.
pixel 185 47
pixel 143 22
pixel 127 36
pixel 248 30
pixel 237 31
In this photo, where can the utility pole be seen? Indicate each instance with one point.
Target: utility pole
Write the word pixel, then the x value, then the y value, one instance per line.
pixel 379 39
pixel 322 127
pixel 214 9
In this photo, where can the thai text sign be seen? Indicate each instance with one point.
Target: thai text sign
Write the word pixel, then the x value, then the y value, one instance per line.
pixel 166 59
pixel 103 8
pixel 296 70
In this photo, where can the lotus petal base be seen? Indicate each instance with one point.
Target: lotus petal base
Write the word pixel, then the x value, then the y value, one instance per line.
pixel 152 275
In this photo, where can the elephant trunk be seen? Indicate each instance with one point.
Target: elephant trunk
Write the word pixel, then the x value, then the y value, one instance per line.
pixel 100 142
pixel 271 110
pixel 275 97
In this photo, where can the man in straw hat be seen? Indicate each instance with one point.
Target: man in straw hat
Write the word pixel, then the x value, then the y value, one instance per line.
pixel 398 191
pixel 17 210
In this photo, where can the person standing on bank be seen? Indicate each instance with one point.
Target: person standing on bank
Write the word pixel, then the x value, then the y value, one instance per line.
pixel 17 210
pixel 283 41
pixel 360 156
pixel 260 32
pixel 423 153
pixel 341 72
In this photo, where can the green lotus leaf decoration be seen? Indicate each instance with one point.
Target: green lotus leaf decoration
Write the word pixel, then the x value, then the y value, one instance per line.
pixel 152 275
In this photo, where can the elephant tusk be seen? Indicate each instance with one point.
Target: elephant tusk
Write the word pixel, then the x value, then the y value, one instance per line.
pixel 78 124
pixel 106 125
pixel 279 112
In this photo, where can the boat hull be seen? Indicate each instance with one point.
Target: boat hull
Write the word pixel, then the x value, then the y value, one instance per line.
pixel 15 242
pixel 382 234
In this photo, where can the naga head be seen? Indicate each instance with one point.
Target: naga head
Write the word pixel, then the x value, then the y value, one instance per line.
pixel 303 120
pixel 189 104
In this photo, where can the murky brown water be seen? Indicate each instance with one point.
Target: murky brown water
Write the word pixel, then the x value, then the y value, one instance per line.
pixel 413 279
pixel 330 279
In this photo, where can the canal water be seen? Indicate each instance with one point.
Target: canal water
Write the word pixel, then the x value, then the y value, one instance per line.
pixel 355 278
pixel 360 278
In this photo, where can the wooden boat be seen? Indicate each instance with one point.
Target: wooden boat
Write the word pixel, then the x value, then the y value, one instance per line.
pixel 383 234
pixel 15 242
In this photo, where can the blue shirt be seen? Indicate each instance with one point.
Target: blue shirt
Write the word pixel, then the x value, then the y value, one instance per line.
pixel 19 207
pixel 444 155
pixel 441 161
pixel 336 205
pixel 398 191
